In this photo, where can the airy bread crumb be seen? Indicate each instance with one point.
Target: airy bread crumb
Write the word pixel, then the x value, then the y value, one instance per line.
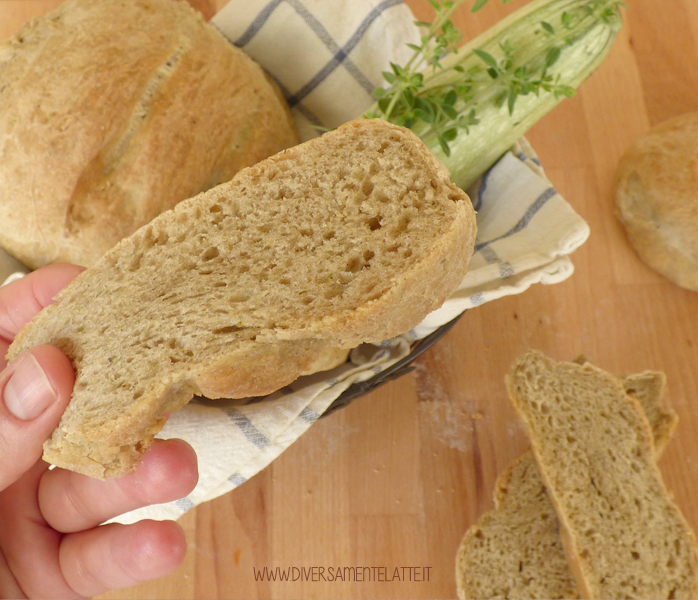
pixel 352 237
pixel 623 535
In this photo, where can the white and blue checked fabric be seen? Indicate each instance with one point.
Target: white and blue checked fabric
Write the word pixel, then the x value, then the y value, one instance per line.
pixel 327 55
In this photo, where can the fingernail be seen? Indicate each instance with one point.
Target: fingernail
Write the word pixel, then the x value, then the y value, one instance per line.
pixel 28 393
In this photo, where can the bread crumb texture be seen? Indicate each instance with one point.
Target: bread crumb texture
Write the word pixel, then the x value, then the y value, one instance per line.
pixel 355 236
pixel 515 550
pixel 623 535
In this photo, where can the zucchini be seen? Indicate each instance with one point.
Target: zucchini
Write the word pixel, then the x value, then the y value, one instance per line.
pixel 472 105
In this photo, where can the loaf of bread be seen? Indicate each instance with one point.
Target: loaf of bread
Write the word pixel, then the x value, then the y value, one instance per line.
pixel 515 550
pixel 113 111
pixel 622 534
pixel 353 237
pixel 657 199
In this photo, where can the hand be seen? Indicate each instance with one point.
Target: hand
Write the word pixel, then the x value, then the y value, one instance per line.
pixel 51 541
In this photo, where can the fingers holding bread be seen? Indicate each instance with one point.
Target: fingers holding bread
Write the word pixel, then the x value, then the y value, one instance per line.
pixel 21 300
pixel 71 502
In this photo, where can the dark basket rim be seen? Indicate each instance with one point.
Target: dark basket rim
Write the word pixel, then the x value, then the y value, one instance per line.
pixel 395 371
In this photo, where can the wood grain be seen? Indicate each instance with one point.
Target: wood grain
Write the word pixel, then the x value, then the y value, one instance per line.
pixel 396 478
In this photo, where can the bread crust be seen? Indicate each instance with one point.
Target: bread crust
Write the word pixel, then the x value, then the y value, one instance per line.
pixel 353 237
pixel 656 199
pixel 112 112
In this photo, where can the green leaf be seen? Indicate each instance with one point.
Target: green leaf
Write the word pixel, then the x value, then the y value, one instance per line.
pixel 389 77
pixel 511 101
pixel 548 27
pixel 444 146
pixel 423 115
pixel 567 19
pixel 414 47
pixel 478 5
pixel 378 93
pixel 450 98
pixel 409 98
pixel 552 56
pixel 384 103
pixel 506 47
pixel 487 58
pixel 426 106
pixel 450 134
pixel 469 119
pixel 451 112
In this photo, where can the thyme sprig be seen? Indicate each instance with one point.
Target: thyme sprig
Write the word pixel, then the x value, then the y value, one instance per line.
pixel 441 100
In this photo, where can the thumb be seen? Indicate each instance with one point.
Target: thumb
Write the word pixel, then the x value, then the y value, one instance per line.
pixel 35 388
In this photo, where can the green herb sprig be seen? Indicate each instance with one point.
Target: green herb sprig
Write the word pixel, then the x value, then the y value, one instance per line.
pixel 442 92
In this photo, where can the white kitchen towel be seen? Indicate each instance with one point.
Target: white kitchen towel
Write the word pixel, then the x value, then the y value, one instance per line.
pixel 327 56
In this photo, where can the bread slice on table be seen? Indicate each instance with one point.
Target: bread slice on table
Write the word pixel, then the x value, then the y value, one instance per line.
pixel 112 112
pixel 352 237
pixel 623 535
pixel 515 550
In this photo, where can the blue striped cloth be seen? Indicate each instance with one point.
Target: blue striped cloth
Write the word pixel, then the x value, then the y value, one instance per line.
pixel 327 56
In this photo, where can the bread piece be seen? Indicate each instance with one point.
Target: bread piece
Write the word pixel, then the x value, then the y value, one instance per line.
pixel 648 388
pixel 113 111
pixel 622 533
pixel 355 236
pixel 657 198
pixel 327 359
pixel 515 550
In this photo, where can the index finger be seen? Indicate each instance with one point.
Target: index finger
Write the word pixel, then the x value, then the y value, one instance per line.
pixel 22 299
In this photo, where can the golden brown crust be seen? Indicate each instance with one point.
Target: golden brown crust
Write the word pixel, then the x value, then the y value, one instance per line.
pixel 111 112
pixel 657 202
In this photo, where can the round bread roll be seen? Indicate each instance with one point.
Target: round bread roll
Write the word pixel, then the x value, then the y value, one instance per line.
pixel 111 112
pixel 657 199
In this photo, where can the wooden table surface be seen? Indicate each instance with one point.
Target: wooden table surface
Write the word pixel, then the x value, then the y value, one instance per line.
pixel 395 479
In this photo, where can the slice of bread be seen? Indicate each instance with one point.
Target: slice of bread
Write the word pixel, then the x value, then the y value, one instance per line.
pixel 515 550
pixel 112 112
pixel 622 533
pixel 352 237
